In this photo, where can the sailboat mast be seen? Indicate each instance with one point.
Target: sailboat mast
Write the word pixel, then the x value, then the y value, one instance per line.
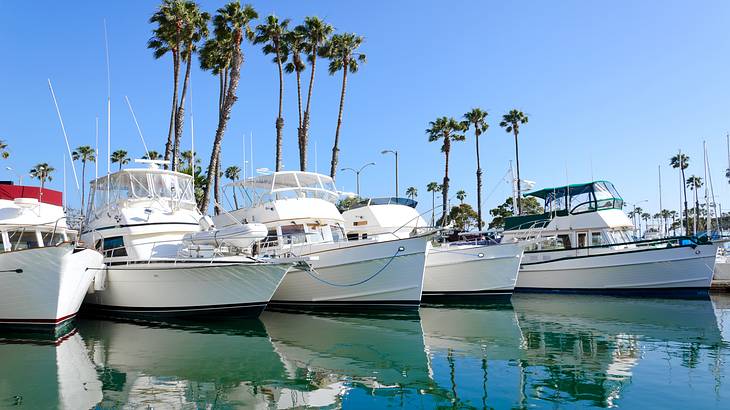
pixel 659 167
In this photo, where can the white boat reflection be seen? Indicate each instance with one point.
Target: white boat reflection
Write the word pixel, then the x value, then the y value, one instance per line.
pixel 44 372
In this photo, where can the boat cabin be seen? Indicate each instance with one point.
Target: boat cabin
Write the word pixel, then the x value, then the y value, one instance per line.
pixel 31 217
pixel 296 207
pixel 134 210
pixel 574 216
pixel 389 216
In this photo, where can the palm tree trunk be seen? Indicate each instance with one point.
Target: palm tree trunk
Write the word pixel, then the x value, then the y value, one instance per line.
pixel 336 146
pixel 279 119
pixel 176 75
pixel 445 188
pixel 230 99
pixel 83 185
pixel 479 186
pixel 302 159
pixel 217 187
pixel 433 208
pixel 220 93
pixel 686 211
pixel 235 197
pixel 180 120
pixel 697 210
pixel 517 158
pixel 305 124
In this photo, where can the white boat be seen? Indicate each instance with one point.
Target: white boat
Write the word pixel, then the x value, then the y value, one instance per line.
pixel 583 242
pixel 160 259
pixel 475 268
pixel 43 274
pixel 299 211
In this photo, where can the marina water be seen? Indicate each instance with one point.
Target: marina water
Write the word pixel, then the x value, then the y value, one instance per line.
pixel 537 351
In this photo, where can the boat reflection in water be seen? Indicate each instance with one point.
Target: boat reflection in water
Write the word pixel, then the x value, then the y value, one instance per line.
pixel 537 351
pixel 39 371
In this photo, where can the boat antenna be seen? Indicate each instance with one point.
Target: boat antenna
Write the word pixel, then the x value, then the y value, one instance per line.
pixel 108 114
pixel 96 148
pixel 65 137
pixel 139 130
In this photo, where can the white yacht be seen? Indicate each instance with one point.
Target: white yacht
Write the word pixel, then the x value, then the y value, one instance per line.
pixel 43 274
pixel 585 243
pixel 161 255
pixel 299 211
pixel 477 268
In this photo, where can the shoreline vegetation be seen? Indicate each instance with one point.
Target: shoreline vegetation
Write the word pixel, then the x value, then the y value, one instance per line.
pixel 182 31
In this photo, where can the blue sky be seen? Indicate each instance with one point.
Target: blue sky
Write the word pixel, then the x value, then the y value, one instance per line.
pixel 612 90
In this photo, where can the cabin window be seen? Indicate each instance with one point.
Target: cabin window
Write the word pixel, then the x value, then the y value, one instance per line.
pixel 337 233
pixel 582 239
pixel 596 239
pixel 271 239
pixel 114 246
pixel 23 239
pixel 292 234
pixel 353 236
pixel 565 241
pixel 51 239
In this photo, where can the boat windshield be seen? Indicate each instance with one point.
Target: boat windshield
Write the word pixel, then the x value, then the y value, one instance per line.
pixel 580 198
pixel 140 184
pixel 285 185
pixel 385 201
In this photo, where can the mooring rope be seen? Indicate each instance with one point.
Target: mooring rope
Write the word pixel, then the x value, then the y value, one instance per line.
pixel 309 272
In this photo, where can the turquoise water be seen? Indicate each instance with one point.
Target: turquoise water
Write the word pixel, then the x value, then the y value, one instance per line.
pixel 539 351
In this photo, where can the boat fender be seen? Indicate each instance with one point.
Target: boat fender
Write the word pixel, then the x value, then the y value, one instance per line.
pixel 100 280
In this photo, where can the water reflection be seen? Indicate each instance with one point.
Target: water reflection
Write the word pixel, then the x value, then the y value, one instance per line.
pixel 538 350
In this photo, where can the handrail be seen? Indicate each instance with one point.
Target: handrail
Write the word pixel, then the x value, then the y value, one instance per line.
pixel 640 243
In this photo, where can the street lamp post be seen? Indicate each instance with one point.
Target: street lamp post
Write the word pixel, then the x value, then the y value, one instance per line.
pixel 634 213
pixel 388 151
pixel 20 177
pixel 357 174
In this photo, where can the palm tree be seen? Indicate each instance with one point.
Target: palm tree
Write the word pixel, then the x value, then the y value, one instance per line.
pixel 637 214
pixel 152 155
pixel 295 45
pixel 272 35
pixel 42 172
pixel 478 119
pixel 447 130
pixel 646 216
pixel 665 215
pixel 461 195
pixel 343 55
pixel 181 25
pixel 316 33
pixel 4 150
pixel 511 123
pixel 232 24
pixel 120 156
pixel 432 187
pixel 412 192
pixel 86 154
pixel 695 183
pixel 681 161
pixel 234 174
pixel 673 215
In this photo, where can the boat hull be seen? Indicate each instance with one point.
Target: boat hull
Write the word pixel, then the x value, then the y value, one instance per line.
pixel 44 287
pixel 388 273
pixel 470 270
pixel 630 271
pixel 187 288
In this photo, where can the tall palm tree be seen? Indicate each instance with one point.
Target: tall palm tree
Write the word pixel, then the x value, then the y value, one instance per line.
pixel 343 55
pixel 637 214
pixel 432 187
pixel 120 157
pixel 447 130
pixel 665 215
pixel 232 25
pixel 673 215
pixel 234 174
pixel 42 172
pixel 681 162
pixel 511 123
pixel 85 154
pixel 295 45
pixel 646 216
pixel 412 192
pixel 461 195
pixel 316 33
pixel 4 150
pixel 477 118
pixel 694 183
pixel 180 26
pixel 153 155
pixel 188 157
pixel 272 35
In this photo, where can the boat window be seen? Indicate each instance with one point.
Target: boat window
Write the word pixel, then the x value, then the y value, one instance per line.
pixel 314 233
pixel 139 186
pixel 582 239
pixel 597 239
pixel 271 239
pixel 114 246
pixel 338 233
pixel 564 239
pixel 352 236
pixel 51 239
pixel 292 234
pixel 23 239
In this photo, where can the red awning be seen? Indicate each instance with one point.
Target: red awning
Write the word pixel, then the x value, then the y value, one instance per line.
pixel 10 192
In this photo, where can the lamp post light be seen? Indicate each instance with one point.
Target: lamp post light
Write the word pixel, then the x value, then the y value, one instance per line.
pixel 357 174
pixel 20 177
pixel 388 151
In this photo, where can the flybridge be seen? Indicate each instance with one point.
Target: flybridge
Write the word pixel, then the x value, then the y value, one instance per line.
pixel 286 185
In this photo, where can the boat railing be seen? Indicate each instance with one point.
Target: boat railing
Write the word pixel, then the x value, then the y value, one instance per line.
pixel 668 242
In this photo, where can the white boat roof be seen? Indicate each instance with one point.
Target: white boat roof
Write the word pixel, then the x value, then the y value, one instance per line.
pixel 289 181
